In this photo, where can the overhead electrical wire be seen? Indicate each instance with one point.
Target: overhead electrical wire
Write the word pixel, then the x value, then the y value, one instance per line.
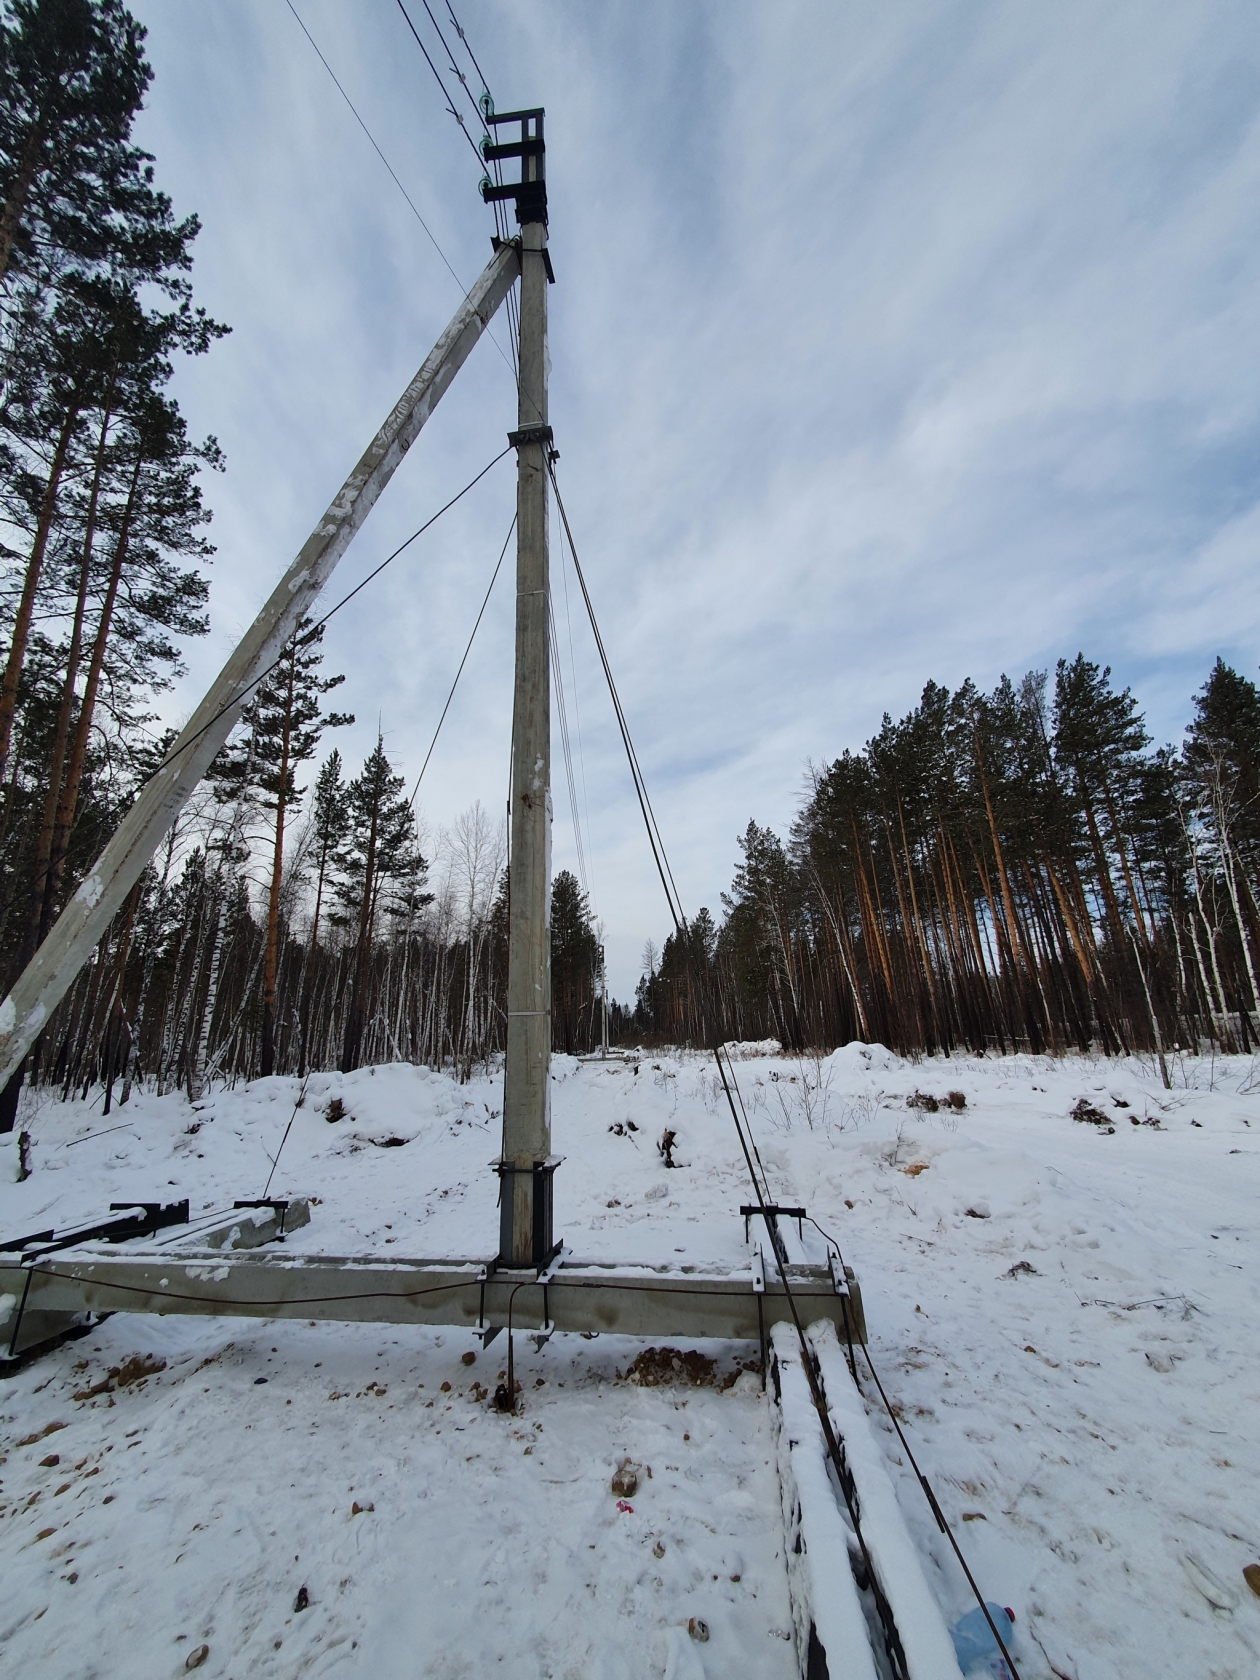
pixel 459 673
pixel 459 30
pixel 577 710
pixel 509 360
pixel 437 76
pixel 376 148
pixel 500 210
pixel 563 717
pixel 482 113
pixel 454 68
pixel 309 633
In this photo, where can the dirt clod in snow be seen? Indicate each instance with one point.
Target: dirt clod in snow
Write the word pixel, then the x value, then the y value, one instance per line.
pixel 468 1358
pixel 1084 1110
pixel 1251 1574
pixel 194 1659
pixel 655 1366
pixel 335 1111
pixel 698 1629
pixel 39 1435
pixel 136 1369
pixel 302 1601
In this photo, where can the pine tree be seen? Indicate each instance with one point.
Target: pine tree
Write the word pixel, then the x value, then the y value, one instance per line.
pixel 72 79
pixel 574 965
pixel 379 862
pixel 1221 771
pixel 1223 748
pixel 284 723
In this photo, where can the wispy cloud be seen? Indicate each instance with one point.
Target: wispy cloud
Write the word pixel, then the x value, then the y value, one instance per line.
pixel 886 343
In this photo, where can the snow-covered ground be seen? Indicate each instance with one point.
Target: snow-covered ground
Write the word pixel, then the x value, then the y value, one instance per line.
pixel 1066 1315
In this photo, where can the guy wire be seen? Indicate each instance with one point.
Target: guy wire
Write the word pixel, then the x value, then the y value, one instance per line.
pixel 501 230
pixel 307 634
pixel 892 1639
pixel 446 708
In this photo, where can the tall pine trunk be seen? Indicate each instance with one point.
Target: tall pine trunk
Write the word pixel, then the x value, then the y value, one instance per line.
pixel 30 585
pixel 83 728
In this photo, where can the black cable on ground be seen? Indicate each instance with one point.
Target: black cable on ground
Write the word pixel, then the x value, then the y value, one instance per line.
pixel 929 1493
pixel 892 1640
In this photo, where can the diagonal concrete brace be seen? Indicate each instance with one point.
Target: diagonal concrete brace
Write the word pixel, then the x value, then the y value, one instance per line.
pixel 83 922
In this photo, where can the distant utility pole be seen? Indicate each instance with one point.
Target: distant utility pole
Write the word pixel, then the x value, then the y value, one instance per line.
pixel 526 1165
pixel 603 999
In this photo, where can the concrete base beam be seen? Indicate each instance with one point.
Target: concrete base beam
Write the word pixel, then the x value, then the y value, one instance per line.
pixel 643 1301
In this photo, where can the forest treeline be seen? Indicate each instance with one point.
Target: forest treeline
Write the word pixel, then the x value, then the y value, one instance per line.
pixel 1014 869
pixel 286 923
pixel 1017 869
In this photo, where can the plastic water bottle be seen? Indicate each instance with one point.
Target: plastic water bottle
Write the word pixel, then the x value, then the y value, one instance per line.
pixel 974 1645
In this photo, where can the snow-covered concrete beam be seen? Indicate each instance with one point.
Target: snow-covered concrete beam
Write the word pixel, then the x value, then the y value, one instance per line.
pixel 622 1300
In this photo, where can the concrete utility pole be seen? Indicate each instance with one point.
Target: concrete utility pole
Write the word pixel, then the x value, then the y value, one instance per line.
pixel 85 920
pixel 525 1167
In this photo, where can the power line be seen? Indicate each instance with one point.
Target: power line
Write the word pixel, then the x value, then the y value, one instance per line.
pixel 319 624
pixel 500 212
pixel 455 69
pixel 468 49
pixel 437 76
pixel 510 361
pixel 376 148
pixel 433 743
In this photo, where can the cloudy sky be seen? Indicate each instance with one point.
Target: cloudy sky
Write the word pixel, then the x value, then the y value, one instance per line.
pixel 887 343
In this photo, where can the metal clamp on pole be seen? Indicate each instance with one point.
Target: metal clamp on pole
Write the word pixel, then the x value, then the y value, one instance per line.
pixel 543 1249
pixel 530 434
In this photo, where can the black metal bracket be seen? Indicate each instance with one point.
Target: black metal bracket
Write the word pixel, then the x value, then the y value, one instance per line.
pixel 529 194
pixel 543 1247
pixel 498 244
pixel 151 1217
pixel 282 1208
pixel 530 434
pixel 772 1213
